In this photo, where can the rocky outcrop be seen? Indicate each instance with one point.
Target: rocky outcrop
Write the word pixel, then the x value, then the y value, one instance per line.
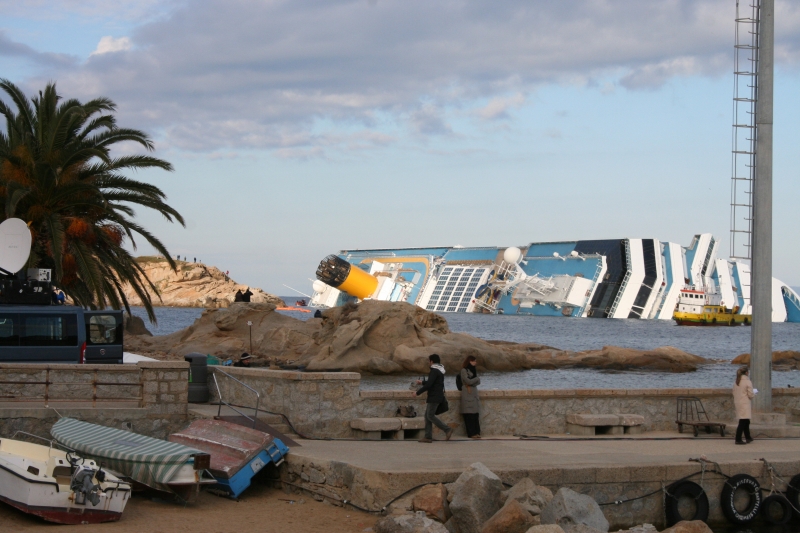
pixel 475 498
pixel 432 500
pixel 193 285
pixel 376 337
pixel 781 360
pixel 416 523
pixel 694 526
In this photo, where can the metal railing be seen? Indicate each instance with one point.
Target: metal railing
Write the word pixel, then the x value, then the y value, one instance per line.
pixel 230 406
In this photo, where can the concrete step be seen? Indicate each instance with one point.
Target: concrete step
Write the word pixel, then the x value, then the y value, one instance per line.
pixel 768 419
pixel 767 430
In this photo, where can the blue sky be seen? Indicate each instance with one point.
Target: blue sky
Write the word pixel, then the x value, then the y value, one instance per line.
pixel 298 129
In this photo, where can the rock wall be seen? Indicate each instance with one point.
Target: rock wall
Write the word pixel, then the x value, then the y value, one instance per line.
pixel 148 398
pixel 321 404
pixel 193 285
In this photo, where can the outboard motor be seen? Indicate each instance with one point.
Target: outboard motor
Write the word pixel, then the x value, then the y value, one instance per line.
pixel 82 485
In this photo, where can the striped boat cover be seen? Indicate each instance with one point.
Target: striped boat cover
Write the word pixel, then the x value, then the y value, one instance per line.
pixel 150 461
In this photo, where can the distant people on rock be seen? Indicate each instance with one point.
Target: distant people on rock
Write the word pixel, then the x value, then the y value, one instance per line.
pixel 434 386
pixel 743 394
pixel 194 260
pixel 470 403
pixel 244 360
pixel 247 294
pixel 238 297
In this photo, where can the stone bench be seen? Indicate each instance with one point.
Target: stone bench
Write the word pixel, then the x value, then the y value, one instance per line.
pixel 621 424
pixel 387 428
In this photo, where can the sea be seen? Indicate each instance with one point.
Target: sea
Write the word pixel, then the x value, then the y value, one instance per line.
pixel 719 344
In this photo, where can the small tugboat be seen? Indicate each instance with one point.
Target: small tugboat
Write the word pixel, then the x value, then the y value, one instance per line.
pixel 166 467
pixel 699 308
pixel 237 453
pixel 59 486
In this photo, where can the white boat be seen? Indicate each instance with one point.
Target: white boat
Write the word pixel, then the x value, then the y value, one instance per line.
pixel 59 486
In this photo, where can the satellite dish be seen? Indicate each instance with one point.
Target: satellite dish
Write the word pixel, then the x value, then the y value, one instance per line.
pixel 15 245
pixel 512 255
pixel 319 286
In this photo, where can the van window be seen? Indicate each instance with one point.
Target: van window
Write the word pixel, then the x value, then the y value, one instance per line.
pixel 8 333
pixel 102 329
pixel 48 330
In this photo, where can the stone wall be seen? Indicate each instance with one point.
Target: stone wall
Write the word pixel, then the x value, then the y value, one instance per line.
pixel 148 398
pixel 321 404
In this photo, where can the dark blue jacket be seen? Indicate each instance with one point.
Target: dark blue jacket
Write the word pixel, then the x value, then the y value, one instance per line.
pixel 434 386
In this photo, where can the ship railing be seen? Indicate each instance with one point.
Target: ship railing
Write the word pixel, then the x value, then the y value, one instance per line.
pixel 254 418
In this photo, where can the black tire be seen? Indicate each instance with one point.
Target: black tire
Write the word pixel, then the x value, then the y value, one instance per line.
pixel 726 500
pixel 713 320
pixel 776 510
pixel 685 489
pixel 733 322
pixel 793 494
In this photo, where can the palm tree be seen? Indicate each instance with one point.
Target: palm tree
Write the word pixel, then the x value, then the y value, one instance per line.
pixel 57 173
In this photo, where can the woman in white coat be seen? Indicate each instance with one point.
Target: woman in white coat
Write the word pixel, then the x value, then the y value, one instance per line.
pixel 742 397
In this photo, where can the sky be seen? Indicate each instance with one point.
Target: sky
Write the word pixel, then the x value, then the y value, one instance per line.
pixel 298 129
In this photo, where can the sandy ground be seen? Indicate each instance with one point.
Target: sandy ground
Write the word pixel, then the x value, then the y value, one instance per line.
pixel 261 509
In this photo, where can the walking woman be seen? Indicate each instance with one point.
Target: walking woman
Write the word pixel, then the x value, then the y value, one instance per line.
pixel 470 403
pixel 742 397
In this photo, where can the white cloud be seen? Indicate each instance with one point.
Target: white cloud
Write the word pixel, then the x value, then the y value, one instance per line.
pixel 497 108
pixel 109 44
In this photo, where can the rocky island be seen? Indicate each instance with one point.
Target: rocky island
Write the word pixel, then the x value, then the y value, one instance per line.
pixel 375 337
pixel 193 285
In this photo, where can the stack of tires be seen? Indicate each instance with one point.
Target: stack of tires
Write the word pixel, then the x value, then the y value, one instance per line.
pixel 741 502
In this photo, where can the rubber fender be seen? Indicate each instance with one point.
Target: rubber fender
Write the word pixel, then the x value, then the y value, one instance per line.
pixel 685 489
pixel 776 509
pixel 793 494
pixel 740 482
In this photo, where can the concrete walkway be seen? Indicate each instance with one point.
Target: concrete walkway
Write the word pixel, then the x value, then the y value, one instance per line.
pixel 509 454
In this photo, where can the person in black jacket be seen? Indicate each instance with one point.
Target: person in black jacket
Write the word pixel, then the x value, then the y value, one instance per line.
pixel 434 386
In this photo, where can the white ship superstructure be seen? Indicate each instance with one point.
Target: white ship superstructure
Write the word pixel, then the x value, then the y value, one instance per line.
pixel 615 278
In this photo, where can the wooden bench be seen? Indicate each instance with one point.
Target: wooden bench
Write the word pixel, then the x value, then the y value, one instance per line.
pixel 394 428
pixel 589 424
pixel 690 412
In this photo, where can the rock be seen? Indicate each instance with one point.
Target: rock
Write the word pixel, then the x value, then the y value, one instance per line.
pixel 476 498
pixel 686 526
pixel 475 469
pixel 432 499
pixel 376 337
pixel 781 360
pixel 643 528
pixel 546 528
pixel 134 325
pixel 579 528
pixel 416 523
pixel 533 497
pixel 511 518
pixel 192 285
pixel 568 507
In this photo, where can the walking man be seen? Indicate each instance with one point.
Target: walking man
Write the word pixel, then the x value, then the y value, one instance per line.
pixel 434 386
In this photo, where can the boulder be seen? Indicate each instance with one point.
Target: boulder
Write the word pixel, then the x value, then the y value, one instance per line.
pixel 781 360
pixel 532 496
pixel 134 325
pixel 432 500
pixel 476 498
pixel 687 526
pixel 416 523
pixel 568 507
pixel 475 469
pixel 579 528
pixel 643 528
pixel 546 528
pixel 511 518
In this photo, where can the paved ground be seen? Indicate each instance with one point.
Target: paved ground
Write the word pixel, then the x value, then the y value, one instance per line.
pixel 515 454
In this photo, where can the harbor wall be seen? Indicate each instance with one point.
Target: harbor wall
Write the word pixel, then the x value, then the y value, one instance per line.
pixel 148 397
pixel 322 404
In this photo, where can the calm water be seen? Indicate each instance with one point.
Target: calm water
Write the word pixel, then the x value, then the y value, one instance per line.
pixel 722 343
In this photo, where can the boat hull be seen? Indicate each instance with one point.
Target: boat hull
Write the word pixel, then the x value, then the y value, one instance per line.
pixel 66 515
pixel 691 319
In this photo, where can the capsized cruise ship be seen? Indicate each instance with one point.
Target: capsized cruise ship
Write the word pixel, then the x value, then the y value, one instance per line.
pixel 614 278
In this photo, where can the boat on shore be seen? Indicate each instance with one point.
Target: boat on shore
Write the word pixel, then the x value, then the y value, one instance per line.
pixel 166 467
pixel 59 486
pixel 237 453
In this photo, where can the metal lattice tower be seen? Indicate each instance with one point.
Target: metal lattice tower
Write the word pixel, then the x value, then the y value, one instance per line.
pixel 745 96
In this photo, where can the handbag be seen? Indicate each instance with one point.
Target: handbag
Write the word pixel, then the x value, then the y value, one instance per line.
pixel 443 407
pixel 406 411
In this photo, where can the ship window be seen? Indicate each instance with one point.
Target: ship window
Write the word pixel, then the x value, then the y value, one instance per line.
pixel 8 335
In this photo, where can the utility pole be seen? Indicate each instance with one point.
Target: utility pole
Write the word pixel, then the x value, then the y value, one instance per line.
pixel 761 279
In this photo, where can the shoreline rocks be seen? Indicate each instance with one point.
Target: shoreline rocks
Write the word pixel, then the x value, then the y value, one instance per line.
pixel 782 361
pixel 193 285
pixel 378 338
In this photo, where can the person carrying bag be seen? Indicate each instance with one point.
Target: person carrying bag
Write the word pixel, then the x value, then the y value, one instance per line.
pixel 436 402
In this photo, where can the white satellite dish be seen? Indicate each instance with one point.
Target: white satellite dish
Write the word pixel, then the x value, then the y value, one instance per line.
pixel 319 286
pixel 15 245
pixel 512 255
